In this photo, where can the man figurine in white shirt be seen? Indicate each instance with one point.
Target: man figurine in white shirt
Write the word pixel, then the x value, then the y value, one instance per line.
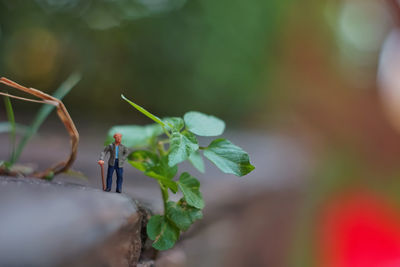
pixel 118 154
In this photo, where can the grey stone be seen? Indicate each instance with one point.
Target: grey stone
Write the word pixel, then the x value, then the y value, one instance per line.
pixel 58 224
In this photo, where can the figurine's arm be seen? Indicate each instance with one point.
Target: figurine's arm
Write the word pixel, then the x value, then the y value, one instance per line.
pixel 103 154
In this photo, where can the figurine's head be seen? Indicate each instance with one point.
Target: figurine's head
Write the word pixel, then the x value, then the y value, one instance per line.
pixel 117 138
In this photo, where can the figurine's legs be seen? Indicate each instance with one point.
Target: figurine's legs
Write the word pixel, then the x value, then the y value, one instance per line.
pixel 119 179
pixel 110 172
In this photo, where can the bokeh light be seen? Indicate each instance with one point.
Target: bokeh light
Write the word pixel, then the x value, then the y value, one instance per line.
pixel 312 88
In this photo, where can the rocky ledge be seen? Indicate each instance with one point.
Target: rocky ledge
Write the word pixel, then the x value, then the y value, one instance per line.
pixel 57 224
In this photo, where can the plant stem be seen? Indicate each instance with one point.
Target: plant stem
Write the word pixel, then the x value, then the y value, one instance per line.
pixel 166 132
pixel 11 120
pixel 160 148
pixel 165 196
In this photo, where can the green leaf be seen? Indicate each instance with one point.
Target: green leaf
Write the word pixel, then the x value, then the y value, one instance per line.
pixel 145 112
pixel 228 157
pixel 172 185
pixel 181 147
pixel 197 161
pixel 45 111
pixel 164 169
pixel 203 125
pixel 174 124
pixel 182 215
pixel 189 186
pixel 134 135
pixel 152 166
pixel 143 160
pixel 11 120
pixel 164 233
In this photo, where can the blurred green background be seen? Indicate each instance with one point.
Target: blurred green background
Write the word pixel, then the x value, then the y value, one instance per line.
pixel 170 56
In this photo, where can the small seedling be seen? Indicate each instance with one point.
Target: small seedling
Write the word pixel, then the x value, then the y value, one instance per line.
pixel 159 156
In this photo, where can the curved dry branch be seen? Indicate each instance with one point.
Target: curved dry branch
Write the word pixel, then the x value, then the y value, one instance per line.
pixel 64 117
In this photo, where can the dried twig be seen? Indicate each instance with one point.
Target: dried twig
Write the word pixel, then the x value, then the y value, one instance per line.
pixel 62 114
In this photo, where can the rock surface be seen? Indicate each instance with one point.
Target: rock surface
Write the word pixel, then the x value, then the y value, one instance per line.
pixel 58 224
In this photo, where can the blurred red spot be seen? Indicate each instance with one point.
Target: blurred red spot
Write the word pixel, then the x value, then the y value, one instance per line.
pixel 359 230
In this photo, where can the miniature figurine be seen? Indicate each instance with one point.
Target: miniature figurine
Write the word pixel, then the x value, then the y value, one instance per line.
pixel 118 154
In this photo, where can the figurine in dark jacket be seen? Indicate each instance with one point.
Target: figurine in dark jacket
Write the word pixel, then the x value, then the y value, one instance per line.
pixel 118 154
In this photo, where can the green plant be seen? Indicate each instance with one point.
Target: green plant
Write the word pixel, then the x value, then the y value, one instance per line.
pixel 11 121
pixel 158 156
pixel 28 132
